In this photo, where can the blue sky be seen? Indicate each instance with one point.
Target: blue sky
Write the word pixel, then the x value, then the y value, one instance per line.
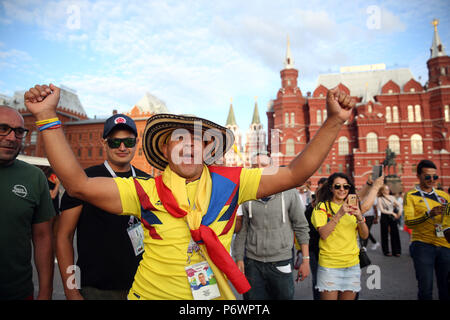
pixel 196 55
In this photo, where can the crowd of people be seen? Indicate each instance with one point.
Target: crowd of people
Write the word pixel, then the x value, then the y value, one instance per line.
pixel 169 237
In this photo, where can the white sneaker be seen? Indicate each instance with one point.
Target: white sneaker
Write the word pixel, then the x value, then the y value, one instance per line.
pixel 375 246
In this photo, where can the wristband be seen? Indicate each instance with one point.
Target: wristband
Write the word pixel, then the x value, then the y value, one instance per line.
pixel 306 257
pixel 51 125
pixel 46 121
pixel 362 220
pixel 369 184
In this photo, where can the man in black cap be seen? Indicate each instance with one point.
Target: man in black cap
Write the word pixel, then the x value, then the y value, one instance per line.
pixel 109 247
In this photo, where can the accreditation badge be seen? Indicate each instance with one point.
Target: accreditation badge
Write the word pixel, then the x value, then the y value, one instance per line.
pixel 202 281
pixel 136 234
pixel 439 231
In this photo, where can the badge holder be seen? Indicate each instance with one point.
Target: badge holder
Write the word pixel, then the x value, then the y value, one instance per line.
pixel 136 234
pixel 439 231
pixel 200 276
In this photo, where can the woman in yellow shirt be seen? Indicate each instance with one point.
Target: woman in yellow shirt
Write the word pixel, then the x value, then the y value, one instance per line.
pixel 338 223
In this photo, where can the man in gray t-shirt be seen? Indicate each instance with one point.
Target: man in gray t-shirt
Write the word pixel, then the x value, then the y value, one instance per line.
pixel 266 239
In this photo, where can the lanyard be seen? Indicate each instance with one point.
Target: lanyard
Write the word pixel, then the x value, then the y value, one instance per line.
pixel 425 200
pixel 114 175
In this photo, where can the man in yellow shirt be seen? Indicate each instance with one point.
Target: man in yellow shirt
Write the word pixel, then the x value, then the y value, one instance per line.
pixel 191 204
pixel 424 208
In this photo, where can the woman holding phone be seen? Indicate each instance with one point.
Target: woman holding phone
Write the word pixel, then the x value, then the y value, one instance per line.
pixel 338 221
pixel 391 211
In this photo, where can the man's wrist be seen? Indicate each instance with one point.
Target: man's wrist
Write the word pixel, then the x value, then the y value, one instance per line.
pixel 335 120
pixel 44 115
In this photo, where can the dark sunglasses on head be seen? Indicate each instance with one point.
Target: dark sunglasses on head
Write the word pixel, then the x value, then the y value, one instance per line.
pixel 114 143
pixel 19 131
pixel 429 177
pixel 338 186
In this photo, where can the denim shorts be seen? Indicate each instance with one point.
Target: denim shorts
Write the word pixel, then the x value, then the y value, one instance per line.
pixel 339 279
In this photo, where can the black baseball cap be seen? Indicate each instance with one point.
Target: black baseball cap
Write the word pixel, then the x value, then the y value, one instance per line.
pixel 119 121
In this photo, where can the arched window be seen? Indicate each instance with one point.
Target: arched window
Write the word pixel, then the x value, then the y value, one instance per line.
pixel 343 146
pixel 388 115
pixel 410 114
pixel 290 147
pixel 417 113
pixel 394 143
pixel 292 119
pixel 33 137
pixel 325 115
pixel 319 117
pixel 395 117
pixel 286 119
pixel 446 114
pixel 372 142
pixel 416 144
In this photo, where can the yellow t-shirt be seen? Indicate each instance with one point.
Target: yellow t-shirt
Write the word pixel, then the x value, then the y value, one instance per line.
pixel 161 272
pixel 423 227
pixel 340 249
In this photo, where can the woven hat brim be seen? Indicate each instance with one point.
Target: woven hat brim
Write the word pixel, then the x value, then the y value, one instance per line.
pixel 160 126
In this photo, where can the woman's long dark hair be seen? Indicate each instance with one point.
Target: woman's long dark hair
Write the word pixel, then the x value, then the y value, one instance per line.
pixel 325 194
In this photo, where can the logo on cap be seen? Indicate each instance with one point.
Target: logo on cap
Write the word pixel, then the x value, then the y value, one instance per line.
pixel 120 120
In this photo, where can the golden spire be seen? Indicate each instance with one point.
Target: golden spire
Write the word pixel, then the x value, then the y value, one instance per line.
pixel 435 23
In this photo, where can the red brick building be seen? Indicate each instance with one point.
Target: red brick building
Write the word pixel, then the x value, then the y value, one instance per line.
pixel 393 110
pixel 83 134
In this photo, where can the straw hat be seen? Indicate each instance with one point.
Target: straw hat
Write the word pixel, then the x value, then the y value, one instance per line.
pixel 160 126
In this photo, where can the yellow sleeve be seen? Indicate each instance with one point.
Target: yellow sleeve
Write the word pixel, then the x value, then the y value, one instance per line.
pixel 248 184
pixel 414 216
pixel 319 216
pixel 128 195
pixel 408 207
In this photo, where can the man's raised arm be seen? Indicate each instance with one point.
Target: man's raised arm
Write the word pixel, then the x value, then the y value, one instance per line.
pixel 339 108
pixel 41 101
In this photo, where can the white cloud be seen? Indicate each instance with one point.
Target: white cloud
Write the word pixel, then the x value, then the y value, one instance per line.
pixel 197 54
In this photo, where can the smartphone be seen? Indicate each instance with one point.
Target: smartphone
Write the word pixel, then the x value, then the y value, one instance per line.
pixel 377 171
pixel 352 200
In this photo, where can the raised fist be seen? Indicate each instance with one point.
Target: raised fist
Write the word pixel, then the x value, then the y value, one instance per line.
pixel 42 100
pixel 339 104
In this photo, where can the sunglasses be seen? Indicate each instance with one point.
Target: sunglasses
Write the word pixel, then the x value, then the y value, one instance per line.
pixel 19 132
pixel 429 177
pixel 115 143
pixel 338 186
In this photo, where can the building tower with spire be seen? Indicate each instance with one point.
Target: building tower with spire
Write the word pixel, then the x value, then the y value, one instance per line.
pixel 233 157
pixel 439 62
pixel 287 115
pixel 438 88
pixel 256 136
